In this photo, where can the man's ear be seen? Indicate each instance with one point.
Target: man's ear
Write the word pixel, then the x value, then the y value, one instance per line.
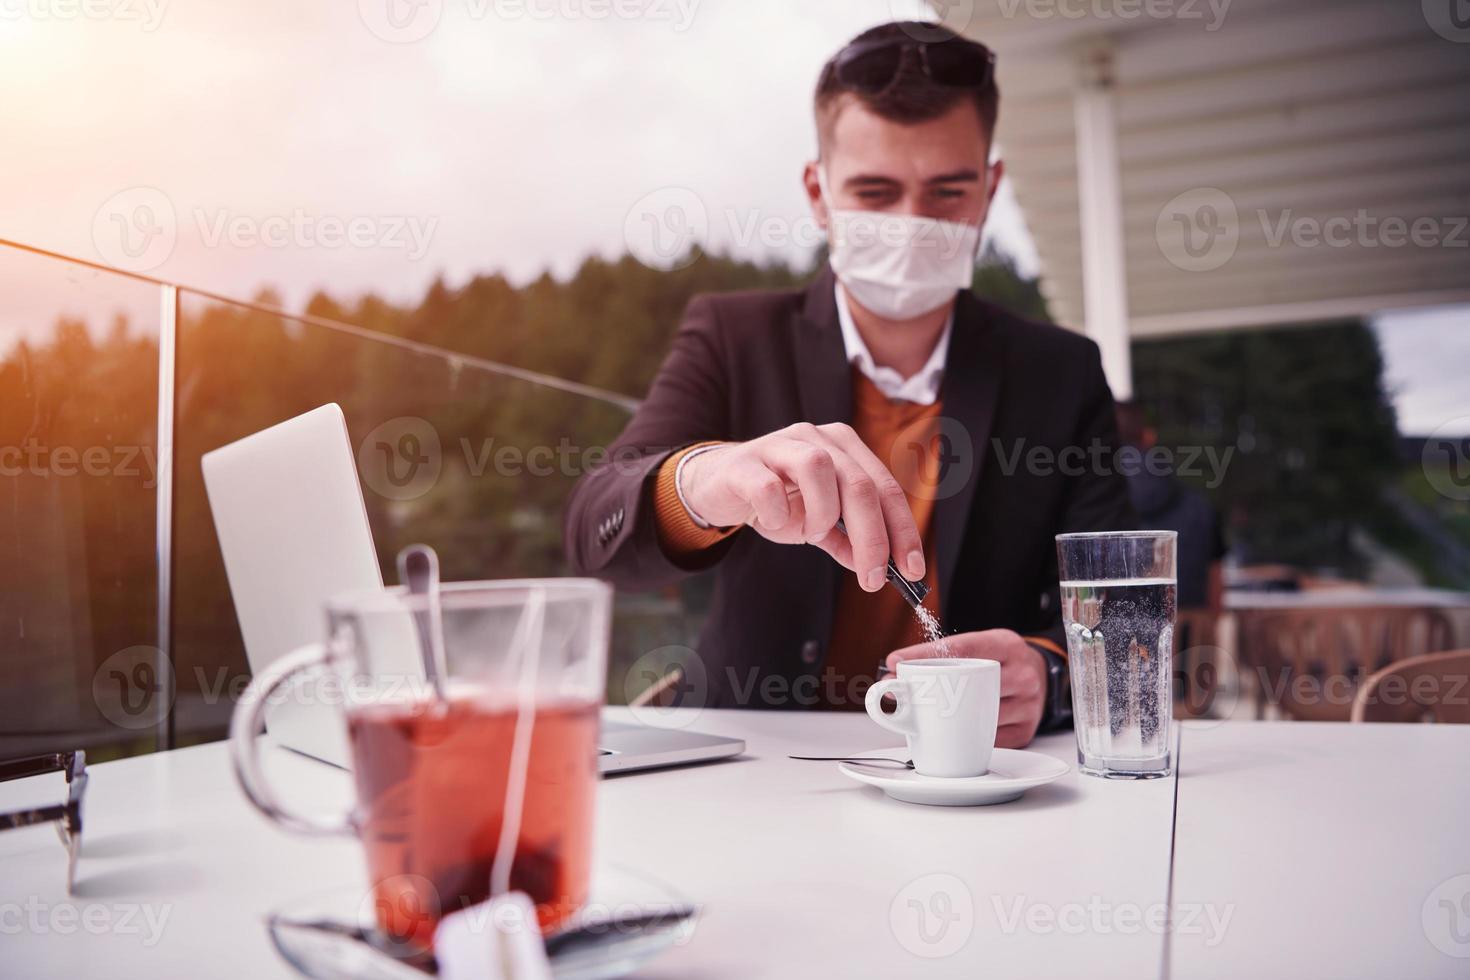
pixel 997 173
pixel 813 185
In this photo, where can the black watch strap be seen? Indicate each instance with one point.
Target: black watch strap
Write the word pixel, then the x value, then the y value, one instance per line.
pixel 1058 710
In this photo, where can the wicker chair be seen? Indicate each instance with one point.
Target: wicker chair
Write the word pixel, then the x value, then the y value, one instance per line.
pixel 1431 687
pixel 1310 662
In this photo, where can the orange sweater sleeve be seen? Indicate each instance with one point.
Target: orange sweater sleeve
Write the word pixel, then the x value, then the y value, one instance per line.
pixel 677 532
pixel 1052 645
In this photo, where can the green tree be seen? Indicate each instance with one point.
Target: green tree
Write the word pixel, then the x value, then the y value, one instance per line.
pixel 1310 423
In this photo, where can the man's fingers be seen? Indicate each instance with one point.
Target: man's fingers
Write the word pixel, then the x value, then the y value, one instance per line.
pixel 833 486
pixel 810 469
pixel 904 542
pixel 765 492
pixel 920 650
pixel 1018 680
pixel 863 517
pixel 1017 711
pixel 835 543
pixel 1014 736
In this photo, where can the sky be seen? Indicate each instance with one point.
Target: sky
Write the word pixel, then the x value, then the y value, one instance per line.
pixel 374 145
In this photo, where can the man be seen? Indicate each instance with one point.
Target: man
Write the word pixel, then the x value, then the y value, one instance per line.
pixel 874 396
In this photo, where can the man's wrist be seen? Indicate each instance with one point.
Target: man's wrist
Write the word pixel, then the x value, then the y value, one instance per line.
pixel 1057 704
pixel 684 461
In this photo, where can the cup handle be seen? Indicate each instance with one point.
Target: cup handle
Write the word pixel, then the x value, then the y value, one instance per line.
pixel 900 720
pixel 248 722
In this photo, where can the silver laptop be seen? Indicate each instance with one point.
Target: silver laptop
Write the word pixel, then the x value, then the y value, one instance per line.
pixel 293 529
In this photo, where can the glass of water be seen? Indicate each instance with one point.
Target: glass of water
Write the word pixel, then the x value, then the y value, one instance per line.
pixel 1118 605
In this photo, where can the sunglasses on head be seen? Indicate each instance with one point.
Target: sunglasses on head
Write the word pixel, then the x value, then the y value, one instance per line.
pixel 871 66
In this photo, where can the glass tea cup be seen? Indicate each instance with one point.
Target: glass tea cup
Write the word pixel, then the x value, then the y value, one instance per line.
pixel 473 778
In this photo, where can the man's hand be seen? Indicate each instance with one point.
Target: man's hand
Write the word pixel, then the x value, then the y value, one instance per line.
pixel 793 485
pixel 1022 677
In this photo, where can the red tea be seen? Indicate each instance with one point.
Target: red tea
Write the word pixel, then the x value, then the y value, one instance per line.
pixel 431 784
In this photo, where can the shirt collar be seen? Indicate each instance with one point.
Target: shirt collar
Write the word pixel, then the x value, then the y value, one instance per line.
pixel 922 388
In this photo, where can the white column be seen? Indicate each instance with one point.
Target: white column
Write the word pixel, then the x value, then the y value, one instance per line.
pixel 1104 268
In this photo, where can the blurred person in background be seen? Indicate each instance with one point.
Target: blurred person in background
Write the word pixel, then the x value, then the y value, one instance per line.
pixel 1164 503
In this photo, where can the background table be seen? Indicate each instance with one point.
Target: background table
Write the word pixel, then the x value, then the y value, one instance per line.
pixel 800 872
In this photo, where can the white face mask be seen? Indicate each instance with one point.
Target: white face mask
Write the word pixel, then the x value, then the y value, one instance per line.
pixel 899 266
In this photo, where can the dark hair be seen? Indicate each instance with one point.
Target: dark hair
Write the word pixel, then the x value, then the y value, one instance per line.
pixel 912 97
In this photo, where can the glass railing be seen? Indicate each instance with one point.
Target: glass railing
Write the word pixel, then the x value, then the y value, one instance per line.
pixel 79 468
pixel 117 629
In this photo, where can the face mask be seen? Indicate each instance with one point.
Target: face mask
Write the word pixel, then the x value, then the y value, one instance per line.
pixel 897 265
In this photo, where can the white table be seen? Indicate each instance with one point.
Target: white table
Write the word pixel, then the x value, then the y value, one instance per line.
pixel 1327 847
pixel 800 872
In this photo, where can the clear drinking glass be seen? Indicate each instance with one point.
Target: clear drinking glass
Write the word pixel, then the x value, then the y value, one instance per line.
pixel 1118 604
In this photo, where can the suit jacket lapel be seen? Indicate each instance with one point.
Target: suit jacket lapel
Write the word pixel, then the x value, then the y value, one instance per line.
pixel 823 377
pixel 969 391
pixel 824 386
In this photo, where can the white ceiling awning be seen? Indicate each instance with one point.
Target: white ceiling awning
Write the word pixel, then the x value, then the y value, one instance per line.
pixel 1191 165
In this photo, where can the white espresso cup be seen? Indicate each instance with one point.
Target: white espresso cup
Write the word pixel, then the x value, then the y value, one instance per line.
pixel 947 709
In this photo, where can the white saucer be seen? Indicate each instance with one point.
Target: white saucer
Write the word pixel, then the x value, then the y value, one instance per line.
pixel 333 935
pixel 1012 772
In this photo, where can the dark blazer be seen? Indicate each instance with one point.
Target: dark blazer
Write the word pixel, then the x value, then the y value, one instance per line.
pixel 746 364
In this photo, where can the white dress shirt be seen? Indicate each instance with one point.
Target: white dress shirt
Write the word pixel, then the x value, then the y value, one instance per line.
pixel 922 388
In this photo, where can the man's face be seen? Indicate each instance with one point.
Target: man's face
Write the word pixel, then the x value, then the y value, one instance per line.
pixel 936 169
